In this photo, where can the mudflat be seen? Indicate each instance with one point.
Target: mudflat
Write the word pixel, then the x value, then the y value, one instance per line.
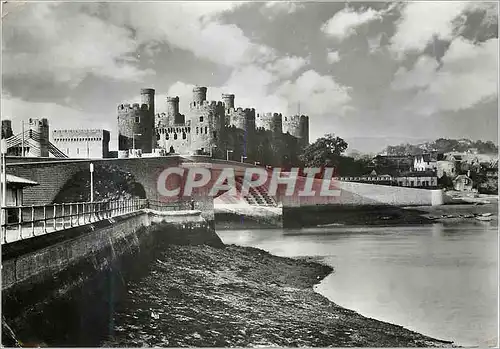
pixel 237 296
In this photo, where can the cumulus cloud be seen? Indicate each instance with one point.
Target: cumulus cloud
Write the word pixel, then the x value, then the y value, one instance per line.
pixel 288 65
pixel 419 76
pixel 272 9
pixel 468 76
pixel 191 26
pixel 16 109
pixel 423 22
pixel 317 94
pixel 345 22
pixel 38 41
pixel 332 56
pixel 64 42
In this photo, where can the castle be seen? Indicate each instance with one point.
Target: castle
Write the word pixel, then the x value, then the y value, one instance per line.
pixel 213 128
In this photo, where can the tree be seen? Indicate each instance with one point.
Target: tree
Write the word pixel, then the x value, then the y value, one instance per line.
pixel 325 151
pixel 445 182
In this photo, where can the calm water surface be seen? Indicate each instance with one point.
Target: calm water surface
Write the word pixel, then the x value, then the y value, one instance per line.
pixel 437 280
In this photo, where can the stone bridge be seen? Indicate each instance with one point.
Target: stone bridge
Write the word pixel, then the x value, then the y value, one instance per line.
pixel 53 174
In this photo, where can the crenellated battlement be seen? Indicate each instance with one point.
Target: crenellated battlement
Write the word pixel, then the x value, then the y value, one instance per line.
pixel 241 110
pixel 43 122
pixel 136 106
pixel 269 115
pixel 270 122
pixel 241 118
pixel 297 126
pixel 204 104
pixel 228 100
pixel 78 131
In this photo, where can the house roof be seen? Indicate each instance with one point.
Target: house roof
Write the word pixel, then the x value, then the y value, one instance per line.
pixel 11 179
pixel 427 157
pixel 459 177
pixel 417 174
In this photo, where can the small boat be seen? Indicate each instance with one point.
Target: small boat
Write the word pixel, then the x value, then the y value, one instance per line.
pixel 483 218
pixel 329 225
pixel 486 214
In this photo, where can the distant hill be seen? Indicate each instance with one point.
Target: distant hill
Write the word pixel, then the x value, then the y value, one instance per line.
pixel 375 144
pixel 443 145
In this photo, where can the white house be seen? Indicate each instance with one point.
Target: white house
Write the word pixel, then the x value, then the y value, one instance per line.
pixel 424 163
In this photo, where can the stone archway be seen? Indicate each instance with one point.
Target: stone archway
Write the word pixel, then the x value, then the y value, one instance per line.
pixel 109 183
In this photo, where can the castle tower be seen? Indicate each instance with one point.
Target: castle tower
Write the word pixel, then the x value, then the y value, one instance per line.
pixel 39 133
pixel 243 119
pixel 298 127
pixel 136 123
pixel 199 95
pixel 6 128
pixel 228 100
pixel 173 111
pixel 207 120
pixel 270 122
pixel 304 129
pixel 148 98
pixel 172 107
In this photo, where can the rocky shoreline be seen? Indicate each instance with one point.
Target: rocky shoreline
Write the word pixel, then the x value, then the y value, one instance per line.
pixel 242 297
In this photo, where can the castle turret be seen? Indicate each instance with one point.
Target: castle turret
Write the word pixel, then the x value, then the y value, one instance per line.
pixel 39 133
pixel 136 124
pixel 173 111
pixel 172 107
pixel 297 126
pixel 228 100
pixel 199 94
pixel 243 119
pixel 6 128
pixel 207 120
pixel 148 98
pixel 270 122
pixel 304 129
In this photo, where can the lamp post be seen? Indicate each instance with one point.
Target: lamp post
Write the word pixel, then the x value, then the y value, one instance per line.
pixel 227 154
pixel 243 158
pixel 22 137
pixel 133 139
pixel 4 173
pixel 212 150
pixel 91 182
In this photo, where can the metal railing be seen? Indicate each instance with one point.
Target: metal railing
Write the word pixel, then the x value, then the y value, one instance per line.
pixel 23 222
pixel 172 206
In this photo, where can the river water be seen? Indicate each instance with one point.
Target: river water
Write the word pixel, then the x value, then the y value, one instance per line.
pixel 437 280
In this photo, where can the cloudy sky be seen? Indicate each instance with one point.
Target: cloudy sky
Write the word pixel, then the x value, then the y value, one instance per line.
pixel 372 73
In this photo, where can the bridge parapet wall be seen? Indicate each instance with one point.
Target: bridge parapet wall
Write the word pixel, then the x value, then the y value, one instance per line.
pixel 55 268
pixel 363 194
pixel 53 175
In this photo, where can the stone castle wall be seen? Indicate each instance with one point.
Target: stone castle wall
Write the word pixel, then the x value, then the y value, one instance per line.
pixel 84 143
pixel 215 127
